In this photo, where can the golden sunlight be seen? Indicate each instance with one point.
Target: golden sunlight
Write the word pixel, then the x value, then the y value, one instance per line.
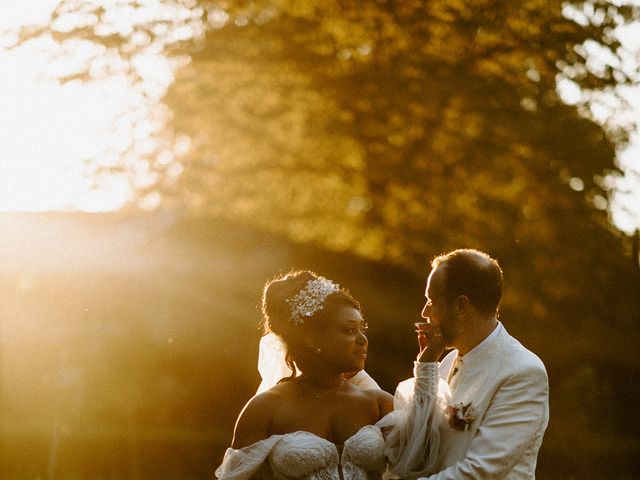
pixel 57 134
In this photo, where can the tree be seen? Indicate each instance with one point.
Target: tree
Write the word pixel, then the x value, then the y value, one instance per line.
pixel 399 129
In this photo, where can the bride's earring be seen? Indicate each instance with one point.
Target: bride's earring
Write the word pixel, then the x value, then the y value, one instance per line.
pixel 318 350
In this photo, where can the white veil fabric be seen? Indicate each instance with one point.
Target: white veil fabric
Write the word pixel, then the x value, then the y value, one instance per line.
pixel 271 362
pixel 273 368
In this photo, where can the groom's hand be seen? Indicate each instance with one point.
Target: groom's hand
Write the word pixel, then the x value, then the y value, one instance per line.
pixel 431 344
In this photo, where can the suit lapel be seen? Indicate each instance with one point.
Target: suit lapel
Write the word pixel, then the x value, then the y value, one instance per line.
pixel 477 378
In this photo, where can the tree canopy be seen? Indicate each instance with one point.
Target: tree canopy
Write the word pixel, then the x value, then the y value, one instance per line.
pixel 395 130
pixel 392 130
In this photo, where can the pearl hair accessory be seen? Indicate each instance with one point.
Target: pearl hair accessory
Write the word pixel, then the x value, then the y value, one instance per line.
pixel 310 299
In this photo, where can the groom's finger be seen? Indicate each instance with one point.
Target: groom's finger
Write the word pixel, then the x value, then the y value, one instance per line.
pixel 422 341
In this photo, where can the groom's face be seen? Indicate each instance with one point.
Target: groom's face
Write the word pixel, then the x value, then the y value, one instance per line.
pixel 436 309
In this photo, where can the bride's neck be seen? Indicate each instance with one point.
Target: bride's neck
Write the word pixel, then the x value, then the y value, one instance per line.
pixel 322 381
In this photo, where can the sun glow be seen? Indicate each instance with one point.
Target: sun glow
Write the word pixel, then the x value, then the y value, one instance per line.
pixel 56 134
pixel 49 130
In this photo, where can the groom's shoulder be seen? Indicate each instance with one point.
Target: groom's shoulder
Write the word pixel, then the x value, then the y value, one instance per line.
pixel 520 357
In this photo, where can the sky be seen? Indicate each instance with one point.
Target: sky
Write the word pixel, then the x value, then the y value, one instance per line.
pixel 50 130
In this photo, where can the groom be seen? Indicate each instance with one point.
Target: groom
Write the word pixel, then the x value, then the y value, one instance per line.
pixel 492 424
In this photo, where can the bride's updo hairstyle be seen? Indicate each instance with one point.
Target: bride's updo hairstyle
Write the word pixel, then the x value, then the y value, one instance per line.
pixel 296 304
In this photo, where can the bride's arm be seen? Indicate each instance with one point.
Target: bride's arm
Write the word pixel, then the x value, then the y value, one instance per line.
pixel 252 442
pixel 411 430
pixel 247 462
pixel 254 421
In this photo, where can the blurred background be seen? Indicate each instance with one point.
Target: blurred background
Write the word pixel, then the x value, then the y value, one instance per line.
pixel 160 160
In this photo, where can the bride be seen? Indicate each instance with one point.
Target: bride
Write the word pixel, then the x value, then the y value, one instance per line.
pixel 313 424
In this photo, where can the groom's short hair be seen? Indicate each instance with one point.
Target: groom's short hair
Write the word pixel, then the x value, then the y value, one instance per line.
pixel 474 274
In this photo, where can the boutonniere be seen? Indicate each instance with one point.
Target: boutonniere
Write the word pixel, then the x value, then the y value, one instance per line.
pixel 461 415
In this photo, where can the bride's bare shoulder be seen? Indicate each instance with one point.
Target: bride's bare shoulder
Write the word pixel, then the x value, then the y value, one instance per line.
pixel 253 423
pixel 255 419
pixel 384 400
pixel 265 401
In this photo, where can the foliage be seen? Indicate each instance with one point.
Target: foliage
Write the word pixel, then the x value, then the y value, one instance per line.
pixel 395 130
pixel 394 120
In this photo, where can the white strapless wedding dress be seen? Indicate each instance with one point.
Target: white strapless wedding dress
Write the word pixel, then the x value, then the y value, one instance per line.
pixel 303 455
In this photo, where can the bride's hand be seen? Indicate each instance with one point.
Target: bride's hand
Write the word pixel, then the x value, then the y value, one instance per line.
pixel 430 342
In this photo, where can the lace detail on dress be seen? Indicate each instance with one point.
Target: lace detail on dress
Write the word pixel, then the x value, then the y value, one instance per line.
pixel 364 453
pixel 299 454
pixel 366 449
pixel 304 455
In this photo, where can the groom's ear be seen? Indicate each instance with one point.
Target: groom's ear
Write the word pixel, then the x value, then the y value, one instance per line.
pixel 461 305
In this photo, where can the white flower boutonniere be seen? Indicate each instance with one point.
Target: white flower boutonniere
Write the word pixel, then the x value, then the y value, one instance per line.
pixel 461 415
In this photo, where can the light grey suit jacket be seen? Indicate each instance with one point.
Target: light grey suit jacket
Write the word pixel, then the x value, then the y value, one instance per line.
pixel 509 389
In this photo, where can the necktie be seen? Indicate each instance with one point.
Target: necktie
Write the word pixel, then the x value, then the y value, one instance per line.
pixel 454 374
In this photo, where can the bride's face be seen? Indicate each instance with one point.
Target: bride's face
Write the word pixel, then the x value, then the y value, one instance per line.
pixel 345 344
